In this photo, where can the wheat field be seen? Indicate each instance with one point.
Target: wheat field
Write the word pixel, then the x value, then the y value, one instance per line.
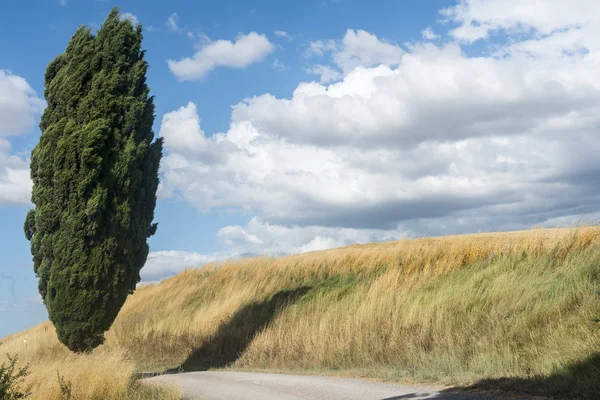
pixel 497 309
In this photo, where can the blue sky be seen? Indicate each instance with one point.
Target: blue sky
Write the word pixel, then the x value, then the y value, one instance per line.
pixel 298 126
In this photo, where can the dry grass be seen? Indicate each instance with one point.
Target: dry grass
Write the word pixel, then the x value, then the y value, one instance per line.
pixel 105 374
pixel 451 309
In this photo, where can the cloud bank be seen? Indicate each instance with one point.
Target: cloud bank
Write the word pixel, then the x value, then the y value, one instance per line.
pixel 425 139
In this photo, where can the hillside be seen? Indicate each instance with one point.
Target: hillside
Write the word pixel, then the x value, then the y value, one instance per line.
pixel 502 310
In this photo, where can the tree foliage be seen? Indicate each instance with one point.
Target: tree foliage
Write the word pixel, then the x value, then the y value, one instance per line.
pixel 95 176
pixel 10 378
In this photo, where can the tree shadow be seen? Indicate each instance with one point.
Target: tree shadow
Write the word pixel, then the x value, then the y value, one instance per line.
pixel 579 380
pixel 234 336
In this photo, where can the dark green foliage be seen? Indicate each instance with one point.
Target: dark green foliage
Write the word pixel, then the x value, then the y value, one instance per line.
pixel 95 176
pixel 10 378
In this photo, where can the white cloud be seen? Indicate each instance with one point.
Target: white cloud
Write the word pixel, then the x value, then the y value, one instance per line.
pixel 361 48
pixel 173 22
pixel 326 73
pixel 437 93
pixel 443 135
pixel 63 2
pixel 261 238
pixel 477 19
pixel 283 34
pixel 433 141
pixel 320 47
pixel 181 130
pixel 246 50
pixel 161 264
pixel 19 105
pixel 380 188
pixel 15 184
pixel 278 65
pixel 358 48
pixel 428 34
pixel 134 20
pixel 20 108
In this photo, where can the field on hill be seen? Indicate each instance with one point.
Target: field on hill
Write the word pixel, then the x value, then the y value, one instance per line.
pixel 502 310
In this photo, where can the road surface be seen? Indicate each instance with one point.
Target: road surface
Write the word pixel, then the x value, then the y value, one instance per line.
pixel 225 385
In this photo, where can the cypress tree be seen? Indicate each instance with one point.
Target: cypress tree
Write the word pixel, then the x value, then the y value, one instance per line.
pixel 95 176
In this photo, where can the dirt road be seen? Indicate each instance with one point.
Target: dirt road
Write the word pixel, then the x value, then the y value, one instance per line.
pixel 221 385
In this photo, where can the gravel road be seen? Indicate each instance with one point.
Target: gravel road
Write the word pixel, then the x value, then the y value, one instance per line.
pixel 222 385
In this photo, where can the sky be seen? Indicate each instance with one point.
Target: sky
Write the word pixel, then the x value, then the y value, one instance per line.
pixel 304 125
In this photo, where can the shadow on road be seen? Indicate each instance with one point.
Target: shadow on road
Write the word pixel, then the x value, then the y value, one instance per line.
pixel 234 336
pixel 580 380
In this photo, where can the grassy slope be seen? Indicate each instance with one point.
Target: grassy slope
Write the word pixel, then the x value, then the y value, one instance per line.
pixel 501 309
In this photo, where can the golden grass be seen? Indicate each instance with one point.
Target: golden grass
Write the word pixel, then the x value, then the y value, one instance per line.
pixel 105 374
pixel 451 309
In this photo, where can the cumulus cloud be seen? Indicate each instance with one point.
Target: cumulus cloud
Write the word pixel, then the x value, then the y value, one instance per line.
pixel 442 134
pixel 381 187
pixel 15 184
pixel 357 48
pixel 19 105
pixel 361 48
pixel 478 19
pixel 20 108
pixel 181 130
pixel 431 141
pixel 327 74
pixel 437 93
pixel 247 49
pixel 428 34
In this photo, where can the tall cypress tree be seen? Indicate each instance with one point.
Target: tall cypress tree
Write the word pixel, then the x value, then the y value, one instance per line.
pixel 95 176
